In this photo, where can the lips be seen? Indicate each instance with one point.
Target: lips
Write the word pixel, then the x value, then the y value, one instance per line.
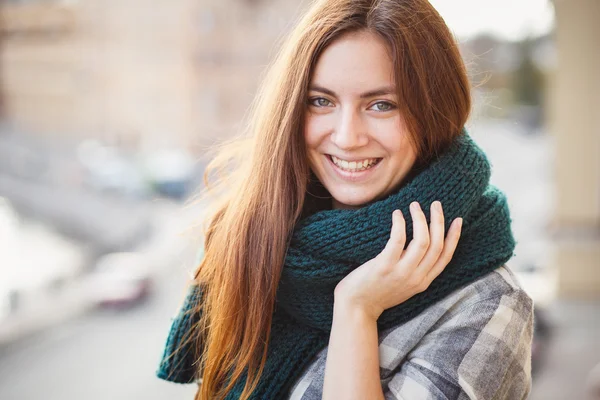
pixel 354 166
pixel 353 175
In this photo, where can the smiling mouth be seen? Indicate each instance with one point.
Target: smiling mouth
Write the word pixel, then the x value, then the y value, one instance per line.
pixel 354 166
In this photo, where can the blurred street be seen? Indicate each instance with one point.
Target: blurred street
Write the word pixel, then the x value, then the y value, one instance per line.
pixel 573 351
pixel 62 346
pixel 107 353
pixel 101 355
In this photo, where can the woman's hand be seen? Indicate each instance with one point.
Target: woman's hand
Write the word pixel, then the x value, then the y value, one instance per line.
pixel 395 274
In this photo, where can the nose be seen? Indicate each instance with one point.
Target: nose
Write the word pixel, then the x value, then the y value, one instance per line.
pixel 350 131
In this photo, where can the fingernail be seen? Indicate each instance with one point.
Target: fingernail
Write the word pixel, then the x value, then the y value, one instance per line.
pixel 415 206
pixel 460 222
pixel 437 205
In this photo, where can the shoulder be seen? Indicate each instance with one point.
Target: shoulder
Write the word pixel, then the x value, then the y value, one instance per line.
pixel 495 303
pixel 496 284
pixel 499 288
pixel 476 342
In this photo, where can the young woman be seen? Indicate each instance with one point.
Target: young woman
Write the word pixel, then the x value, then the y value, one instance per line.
pixel 322 276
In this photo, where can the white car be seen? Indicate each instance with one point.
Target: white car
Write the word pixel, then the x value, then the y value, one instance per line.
pixel 120 280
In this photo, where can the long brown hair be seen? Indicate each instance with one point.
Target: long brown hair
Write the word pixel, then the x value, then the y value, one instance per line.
pixel 259 180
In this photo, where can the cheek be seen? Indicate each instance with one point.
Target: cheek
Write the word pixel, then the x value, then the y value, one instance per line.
pixel 390 134
pixel 400 146
pixel 314 132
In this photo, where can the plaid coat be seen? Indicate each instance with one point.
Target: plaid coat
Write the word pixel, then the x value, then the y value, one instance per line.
pixel 473 344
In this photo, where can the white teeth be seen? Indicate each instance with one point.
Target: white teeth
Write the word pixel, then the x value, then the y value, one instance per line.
pixel 354 166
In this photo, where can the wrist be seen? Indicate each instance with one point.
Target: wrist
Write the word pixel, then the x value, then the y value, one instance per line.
pixel 347 309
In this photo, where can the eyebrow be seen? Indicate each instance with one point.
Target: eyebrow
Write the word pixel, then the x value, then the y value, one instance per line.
pixel 371 93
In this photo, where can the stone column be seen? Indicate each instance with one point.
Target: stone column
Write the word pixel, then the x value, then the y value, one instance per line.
pixel 575 123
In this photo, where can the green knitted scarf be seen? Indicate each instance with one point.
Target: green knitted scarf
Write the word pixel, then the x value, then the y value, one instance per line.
pixel 329 244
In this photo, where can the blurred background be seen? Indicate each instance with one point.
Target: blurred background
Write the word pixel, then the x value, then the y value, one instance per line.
pixel 106 111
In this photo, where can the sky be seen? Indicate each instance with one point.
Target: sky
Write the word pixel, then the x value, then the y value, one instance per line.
pixel 508 19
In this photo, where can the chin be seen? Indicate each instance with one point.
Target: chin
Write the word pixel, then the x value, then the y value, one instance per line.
pixel 346 200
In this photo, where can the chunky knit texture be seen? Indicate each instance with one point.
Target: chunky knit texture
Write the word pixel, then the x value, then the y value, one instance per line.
pixel 329 244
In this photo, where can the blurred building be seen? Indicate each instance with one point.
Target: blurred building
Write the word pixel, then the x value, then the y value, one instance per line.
pixel 575 123
pixel 131 72
pixel 180 73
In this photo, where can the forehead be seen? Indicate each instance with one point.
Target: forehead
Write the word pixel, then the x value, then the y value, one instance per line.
pixel 355 62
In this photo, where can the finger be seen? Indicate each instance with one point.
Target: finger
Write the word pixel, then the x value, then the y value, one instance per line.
pixel 436 237
pixel 450 245
pixel 418 246
pixel 395 245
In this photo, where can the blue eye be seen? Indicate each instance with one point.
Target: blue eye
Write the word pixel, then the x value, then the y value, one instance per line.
pixel 383 106
pixel 319 102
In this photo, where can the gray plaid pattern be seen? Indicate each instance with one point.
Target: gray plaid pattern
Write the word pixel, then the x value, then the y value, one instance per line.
pixel 473 344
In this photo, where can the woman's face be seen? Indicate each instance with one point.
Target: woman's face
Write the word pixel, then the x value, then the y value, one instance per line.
pixel 356 140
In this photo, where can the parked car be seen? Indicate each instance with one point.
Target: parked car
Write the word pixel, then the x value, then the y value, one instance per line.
pixel 120 280
pixel 107 170
pixel 171 172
